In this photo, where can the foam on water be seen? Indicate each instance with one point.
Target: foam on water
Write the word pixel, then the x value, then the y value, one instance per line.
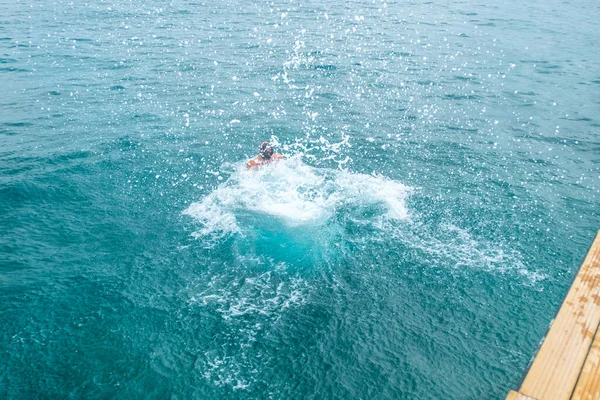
pixel 458 248
pixel 266 294
pixel 249 308
pixel 304 208
pixel 294 194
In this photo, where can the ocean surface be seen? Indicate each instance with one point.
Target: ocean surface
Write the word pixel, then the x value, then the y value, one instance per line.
pixel 440 189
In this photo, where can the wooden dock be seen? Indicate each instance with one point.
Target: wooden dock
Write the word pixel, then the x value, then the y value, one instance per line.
pixel 567 365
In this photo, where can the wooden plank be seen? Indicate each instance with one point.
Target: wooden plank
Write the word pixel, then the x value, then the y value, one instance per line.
pixel 512 395
pixel 588 385
pixel 556 368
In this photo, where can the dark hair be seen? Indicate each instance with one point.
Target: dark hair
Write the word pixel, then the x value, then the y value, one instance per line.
pixel 265 150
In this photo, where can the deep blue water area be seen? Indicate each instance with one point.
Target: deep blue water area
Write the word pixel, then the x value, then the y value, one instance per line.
pixel 439 192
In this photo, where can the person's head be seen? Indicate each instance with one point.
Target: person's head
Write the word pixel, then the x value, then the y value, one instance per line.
pixel 265 150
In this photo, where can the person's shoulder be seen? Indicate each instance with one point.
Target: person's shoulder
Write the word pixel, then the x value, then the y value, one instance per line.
pixel 252 163
pixel 278 156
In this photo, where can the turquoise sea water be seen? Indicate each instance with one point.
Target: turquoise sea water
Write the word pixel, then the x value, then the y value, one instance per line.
pixel 440 190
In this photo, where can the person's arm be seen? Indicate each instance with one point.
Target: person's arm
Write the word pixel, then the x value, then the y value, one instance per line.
pixel 251 164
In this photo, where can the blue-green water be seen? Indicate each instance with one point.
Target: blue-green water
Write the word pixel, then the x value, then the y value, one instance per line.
pixel 440 190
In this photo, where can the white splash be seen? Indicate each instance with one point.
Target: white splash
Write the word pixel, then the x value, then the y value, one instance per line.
pixel 295 194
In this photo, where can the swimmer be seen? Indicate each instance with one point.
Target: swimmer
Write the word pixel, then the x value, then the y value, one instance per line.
pixel 266 155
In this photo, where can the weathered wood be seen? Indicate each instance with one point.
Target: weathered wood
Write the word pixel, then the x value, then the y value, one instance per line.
pixel 512 395
pixel 556 369
pixel 588 385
